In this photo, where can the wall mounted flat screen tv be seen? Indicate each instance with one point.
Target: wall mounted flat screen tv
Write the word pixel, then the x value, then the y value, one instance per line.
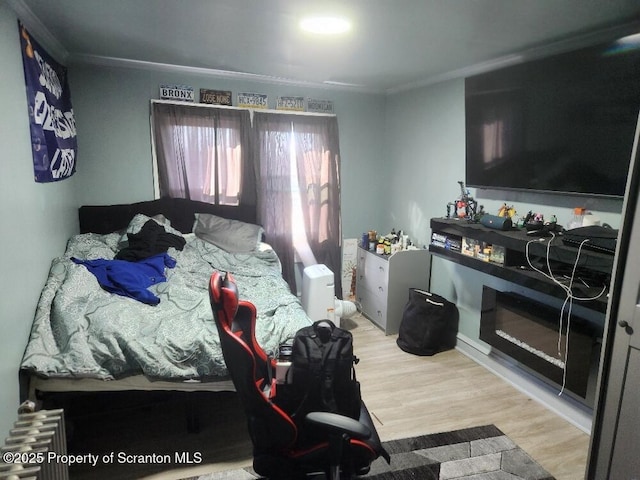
pixel 564 123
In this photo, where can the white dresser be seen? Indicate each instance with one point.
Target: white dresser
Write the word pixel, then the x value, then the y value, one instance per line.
pixel 383 283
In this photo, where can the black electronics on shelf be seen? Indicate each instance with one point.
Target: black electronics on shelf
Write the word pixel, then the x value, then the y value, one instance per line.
pixel 563 123
pixel 514 256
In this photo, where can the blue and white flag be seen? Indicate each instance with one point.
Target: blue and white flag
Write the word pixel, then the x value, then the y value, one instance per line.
pixel 53 127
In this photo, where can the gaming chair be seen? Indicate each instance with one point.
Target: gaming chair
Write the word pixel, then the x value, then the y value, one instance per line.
pixel 284 447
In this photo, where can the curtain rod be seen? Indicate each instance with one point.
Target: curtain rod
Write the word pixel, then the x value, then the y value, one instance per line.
pixel 250 110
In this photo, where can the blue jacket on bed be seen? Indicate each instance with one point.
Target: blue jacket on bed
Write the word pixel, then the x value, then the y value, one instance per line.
pixel 130 279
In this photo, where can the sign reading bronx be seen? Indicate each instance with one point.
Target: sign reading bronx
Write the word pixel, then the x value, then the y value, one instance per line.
pixel 177 92
pixel 52 123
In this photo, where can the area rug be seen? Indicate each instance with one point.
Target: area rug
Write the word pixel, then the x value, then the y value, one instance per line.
pixel 478 453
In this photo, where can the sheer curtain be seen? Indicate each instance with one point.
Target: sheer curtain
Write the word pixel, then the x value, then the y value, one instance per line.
pixel 318 162
pixel 299 171
pixel 203 154
pixel 272 137
pixel 214 155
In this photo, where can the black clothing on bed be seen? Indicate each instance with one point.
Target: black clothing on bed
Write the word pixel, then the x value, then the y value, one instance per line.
pixel 152 239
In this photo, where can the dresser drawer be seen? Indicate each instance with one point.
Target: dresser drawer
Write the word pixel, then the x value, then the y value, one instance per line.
pixel 372 288
pixel 372 271
pixel 374 306
pixel 383 283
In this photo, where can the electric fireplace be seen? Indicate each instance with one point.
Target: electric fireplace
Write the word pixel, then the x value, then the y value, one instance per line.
pixel 530 332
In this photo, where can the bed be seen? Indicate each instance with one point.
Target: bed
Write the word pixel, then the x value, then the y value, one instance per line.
pixel 85 337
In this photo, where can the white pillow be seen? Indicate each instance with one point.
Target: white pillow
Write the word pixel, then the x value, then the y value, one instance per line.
pixel 231 235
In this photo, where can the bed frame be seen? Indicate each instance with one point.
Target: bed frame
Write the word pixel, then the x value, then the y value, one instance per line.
pixel 110 218
pixel 104 219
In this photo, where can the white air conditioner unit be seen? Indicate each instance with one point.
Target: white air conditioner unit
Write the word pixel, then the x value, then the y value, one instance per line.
pixel 318 293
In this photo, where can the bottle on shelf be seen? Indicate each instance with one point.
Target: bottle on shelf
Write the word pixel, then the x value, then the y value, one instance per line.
pixel 578 218
pixel 365 241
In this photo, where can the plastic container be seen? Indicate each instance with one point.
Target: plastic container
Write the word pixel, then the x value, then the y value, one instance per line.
pixel 578 218
pixel 318 291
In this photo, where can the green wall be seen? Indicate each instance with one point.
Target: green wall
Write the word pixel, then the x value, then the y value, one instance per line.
pixel 112 112
pixel 37 220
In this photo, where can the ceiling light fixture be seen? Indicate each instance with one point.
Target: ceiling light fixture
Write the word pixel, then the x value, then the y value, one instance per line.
pixel 325 25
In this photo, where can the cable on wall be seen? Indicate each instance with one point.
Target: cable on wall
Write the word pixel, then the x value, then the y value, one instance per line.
pixel 570 297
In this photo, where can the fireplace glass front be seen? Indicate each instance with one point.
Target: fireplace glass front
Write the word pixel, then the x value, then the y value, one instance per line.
pixel 530 332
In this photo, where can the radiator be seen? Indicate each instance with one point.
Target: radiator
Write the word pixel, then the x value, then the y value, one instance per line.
pixel 36 447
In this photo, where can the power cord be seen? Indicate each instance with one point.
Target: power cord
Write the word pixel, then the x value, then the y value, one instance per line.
pixel 570 297
pixel 550 275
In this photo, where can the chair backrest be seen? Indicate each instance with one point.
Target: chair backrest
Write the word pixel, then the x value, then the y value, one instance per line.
pixel 270 428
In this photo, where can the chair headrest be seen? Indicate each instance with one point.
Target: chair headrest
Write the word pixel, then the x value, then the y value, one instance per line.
pixel 223 293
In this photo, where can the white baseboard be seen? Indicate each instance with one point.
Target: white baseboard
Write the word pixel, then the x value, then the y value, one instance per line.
pixel 564 406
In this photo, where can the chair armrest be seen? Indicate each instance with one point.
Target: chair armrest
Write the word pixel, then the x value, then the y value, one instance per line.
pixel 334 423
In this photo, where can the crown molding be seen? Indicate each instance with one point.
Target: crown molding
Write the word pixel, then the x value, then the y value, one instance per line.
pixel 253 77
pixel 562 46
pixel 57 50
pixel 41 33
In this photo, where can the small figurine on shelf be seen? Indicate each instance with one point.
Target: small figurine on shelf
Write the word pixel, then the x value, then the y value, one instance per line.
pixel 535 222
pixel 552 225
pixel 479 214
pixel 529 217
pixel 465 206
pixel 507 211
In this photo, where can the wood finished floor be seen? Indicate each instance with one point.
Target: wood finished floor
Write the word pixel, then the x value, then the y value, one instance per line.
pixel 411 395
pixel 407 396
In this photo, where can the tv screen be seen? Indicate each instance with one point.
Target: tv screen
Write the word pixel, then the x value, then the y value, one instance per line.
pixel 560 124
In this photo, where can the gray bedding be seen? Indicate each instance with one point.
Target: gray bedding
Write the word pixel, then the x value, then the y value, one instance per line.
pixel 83 331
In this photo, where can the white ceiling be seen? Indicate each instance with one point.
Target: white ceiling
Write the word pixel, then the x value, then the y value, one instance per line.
pixel 393 44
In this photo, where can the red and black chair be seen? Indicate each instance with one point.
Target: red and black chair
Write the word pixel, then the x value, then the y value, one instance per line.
pixel 284 447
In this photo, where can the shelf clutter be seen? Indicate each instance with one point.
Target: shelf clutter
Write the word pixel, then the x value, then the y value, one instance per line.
pixel 519 257
pixel 388 244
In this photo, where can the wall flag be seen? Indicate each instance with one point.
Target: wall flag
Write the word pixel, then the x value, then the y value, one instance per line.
pixel 52 123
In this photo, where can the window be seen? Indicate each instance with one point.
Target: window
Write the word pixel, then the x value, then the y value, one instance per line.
pixel 201 153
pixel 300 189
pixel 223 174
pixel 214 154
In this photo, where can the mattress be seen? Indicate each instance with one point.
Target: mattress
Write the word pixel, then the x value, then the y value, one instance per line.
pixel 83 332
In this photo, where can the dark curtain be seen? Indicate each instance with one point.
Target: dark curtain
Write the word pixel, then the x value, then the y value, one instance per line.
pixel 198 151
pixel 317 165
pixel 318 160
pixel 272 137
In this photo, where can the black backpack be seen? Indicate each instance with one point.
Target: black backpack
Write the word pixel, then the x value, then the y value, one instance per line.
pixel 321 375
